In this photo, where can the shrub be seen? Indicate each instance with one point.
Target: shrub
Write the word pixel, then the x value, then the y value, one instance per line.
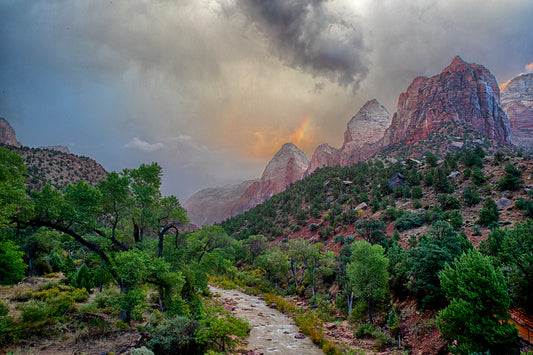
pixel 489 213
pixel 416 192
pixel 174 335
pixel 511 181
pixel 470 197
pixel 525 205
pixel 408 221
pixel 417 204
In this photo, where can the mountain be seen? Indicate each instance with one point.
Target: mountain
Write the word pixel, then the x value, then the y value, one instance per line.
pixel 215 204
pixel 463 93
pixel 7 134
pixel 288 165
pixel 363 132
pixel 517 101
pixel 323 155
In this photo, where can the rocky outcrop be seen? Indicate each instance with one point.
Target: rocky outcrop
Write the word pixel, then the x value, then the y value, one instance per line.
pixel 57 148
pixel 363 133
pixel 288 165
pixel 517 102
pixel 463 92
pixel 7 134
pixel 323 155
pixel 213 205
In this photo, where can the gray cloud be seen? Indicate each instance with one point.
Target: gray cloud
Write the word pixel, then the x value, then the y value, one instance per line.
pixel 222 84
pixel 312 36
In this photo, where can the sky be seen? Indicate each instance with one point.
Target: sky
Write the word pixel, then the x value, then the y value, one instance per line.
pixel 211 89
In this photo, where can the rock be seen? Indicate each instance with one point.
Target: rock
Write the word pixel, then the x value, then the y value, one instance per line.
pixel 517 102
pixel 454 174
pixel 7 134
pixel 323 155
pixel 463 93
pixel 361 207
pixel 299 336
pixel 503 203
pixel 214 204
pixel 363 133
pixel 288 165
pixel 57 148
pixel 330 325
pixel 396 180
pixel 457 144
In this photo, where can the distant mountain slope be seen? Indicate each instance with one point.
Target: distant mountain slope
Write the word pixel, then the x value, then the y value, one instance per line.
pixel 58 168
pixel 215 204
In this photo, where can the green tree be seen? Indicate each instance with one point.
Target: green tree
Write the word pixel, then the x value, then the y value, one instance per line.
pixel 511 180
pixel 489 213
pixel 368 274
pixel 477 314
pixel 12 265
pixel 13 197
pixel 513 249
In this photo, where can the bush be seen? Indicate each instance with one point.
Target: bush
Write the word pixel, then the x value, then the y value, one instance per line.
pixel 489 213
pixel 511 181
pixel 525 205
pixel 416 192
pixel 408 221
pixel 174 336
pixel 417 204
pixel 470 197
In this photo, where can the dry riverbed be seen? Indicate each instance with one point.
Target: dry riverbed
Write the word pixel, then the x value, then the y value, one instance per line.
pixel 272 331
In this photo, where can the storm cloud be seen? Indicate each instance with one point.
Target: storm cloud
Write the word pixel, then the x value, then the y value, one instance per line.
pixel 211 89
pixel 312 36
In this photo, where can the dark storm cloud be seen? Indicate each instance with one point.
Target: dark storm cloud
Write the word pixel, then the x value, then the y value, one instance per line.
pixel 312 36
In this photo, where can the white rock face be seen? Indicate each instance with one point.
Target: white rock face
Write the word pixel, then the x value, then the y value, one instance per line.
pixel 324 155
pixel 517 102
pixel 364 131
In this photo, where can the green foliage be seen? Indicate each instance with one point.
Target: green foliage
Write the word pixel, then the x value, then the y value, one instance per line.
pixel 511 181
pixel 526 205
pixel 220 331
pixel 368 274
pixel 83 278
pixel 489 213
pixel 5 321
pixel 477 314
pixel 513 250
pixel 175 335
pixel 12 265
pixel 416 192
pixel 470 197
pixel 441 246
pixel 431 159
pixel 409 220
pixel 372 230
pixel 12 189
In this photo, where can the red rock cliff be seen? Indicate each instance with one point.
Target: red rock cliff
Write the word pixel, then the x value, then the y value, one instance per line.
pixel 7 134
pixel 463 92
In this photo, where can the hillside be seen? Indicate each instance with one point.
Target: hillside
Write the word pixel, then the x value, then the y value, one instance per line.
pixel 58 168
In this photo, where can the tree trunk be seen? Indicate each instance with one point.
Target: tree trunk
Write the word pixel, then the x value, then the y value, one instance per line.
pixel 369 311
pixel 349 299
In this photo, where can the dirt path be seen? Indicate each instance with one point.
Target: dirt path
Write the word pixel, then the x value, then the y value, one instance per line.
pixel 272 331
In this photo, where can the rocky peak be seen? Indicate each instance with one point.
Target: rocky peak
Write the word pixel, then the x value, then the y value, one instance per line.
pixel 464 93
pixel 363 132
pixel 57 148
pixel 370 122
pixel 323 155
pixel 288 165
pixel 517 102
pixel 7 134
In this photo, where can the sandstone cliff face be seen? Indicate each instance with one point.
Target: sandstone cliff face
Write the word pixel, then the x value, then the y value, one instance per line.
pixel 363 133
pixel 213 205
pixel 323 155
pixel 7 134
pixel 288 165
pixel 463 92
pixel 517 102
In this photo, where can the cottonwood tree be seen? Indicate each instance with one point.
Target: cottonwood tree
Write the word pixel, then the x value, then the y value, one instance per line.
pixel 368 274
